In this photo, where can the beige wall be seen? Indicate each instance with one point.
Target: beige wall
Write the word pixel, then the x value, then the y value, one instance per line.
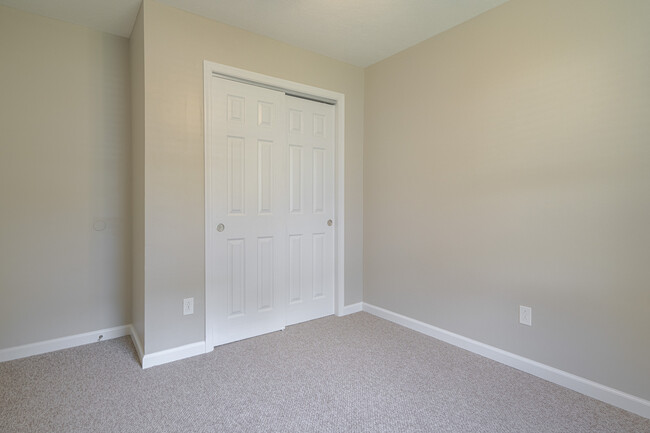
pixel 507 163
pixel 64 165
pixel 176 44
pixel 136 59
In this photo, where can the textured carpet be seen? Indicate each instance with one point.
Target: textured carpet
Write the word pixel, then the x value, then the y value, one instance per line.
pixel 352 374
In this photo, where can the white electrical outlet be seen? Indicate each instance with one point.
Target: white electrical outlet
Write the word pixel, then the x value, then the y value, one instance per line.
pixel 525 315
pixel 188 306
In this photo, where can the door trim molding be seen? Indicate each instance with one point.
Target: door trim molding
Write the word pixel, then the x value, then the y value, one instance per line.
pixel 212 69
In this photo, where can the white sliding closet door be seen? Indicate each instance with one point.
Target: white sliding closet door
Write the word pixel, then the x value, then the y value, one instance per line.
pixel 311 210
pixel 270 201
pixel 249 209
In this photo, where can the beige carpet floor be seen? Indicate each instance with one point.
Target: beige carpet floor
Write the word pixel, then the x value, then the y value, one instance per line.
pixel 352 374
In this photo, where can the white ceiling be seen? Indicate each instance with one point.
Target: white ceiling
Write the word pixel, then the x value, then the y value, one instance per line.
pixel 360 32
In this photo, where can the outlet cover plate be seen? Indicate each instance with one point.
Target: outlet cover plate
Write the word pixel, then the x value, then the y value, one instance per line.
pixel 525 315
pixel 188 306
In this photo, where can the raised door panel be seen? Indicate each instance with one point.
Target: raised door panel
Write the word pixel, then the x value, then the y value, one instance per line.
pixel 265 274
pixel 265 149
pixel 236 175
pixel 236 272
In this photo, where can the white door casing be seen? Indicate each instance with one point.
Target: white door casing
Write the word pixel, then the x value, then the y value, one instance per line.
pixel 245 257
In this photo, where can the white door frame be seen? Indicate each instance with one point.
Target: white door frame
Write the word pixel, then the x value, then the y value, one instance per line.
pixel 210 70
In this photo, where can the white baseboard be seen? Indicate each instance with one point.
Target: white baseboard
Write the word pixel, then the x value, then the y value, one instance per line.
pixel 199 348
pixel 62 343
pixel 584 386
pixel 147 361
pixel 352 308
pixel 174 354
pixel 136 342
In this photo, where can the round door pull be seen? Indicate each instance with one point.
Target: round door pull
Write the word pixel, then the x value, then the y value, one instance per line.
pixel 221 227
pixel 330 222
